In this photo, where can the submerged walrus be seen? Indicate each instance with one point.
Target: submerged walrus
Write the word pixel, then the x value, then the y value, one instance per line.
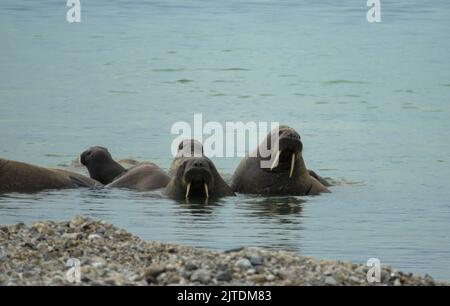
pixel 196 177
pixel 21 177
pixel 142 177
pixel 288 174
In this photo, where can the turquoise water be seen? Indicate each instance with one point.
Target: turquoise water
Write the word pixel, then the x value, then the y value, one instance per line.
pixel 371 102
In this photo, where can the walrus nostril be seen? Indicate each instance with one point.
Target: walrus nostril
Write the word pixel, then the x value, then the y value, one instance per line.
pixel 198 164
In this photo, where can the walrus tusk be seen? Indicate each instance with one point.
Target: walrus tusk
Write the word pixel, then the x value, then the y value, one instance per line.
pixel 275 161
pixel 188 188
pixel 292 165
pixel 206 190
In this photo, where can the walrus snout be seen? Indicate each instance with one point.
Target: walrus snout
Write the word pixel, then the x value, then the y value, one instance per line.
pixel 289 149
pixel 197 171
pixel 84 157
pixel 290 140
pixel 197 178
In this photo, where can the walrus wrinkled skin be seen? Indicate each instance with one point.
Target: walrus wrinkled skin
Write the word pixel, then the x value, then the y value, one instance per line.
pixel 21 177
pixel 100 164
pixel 141 177
pixel 197 178
pixel 289 177
pixel 186 148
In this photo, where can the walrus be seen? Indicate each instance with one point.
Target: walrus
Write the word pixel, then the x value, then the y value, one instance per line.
pixel 186 148
pixel 143 176
pixel 196 177
pixel 288 174
pixel 21 177
pixel 100 164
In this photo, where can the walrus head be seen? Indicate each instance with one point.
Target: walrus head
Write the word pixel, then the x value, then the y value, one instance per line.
pixel 190 147
pixel 186 148
pixel 100 164
pixel 288 156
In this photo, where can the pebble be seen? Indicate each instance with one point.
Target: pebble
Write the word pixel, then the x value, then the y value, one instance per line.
pixel 256 260
pixel 203 276
pixel 94 236
pixel 70 236
pixel 257 279
pixel 243 263
pixel 154 271
pixel 224 276
pixel 330 281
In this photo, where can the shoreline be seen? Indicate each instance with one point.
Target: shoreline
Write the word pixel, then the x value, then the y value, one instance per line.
pixel 38 255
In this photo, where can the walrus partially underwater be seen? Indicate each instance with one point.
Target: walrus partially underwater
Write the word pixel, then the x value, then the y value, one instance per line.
pixel 194 176
pixel 103 168
pixel 21 177
pixel 288 174
pixel 197 177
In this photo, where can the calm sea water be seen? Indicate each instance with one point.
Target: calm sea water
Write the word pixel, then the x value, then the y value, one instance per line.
pixel 371 102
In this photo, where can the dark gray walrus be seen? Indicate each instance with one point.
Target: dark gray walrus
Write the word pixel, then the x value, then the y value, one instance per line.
pixel 288 174
pixel 142 177
pixel 196 178
pixel 21 177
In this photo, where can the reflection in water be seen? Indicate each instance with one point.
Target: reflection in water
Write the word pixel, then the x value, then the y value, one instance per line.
pixel 198 208
pixel 276 207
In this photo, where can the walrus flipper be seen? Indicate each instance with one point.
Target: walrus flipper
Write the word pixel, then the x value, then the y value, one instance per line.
pixel 319 178
pixel 80 183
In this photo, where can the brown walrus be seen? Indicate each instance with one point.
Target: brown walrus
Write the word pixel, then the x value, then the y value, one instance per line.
pixel 288 174
pixel 100 164
pixel 142 177
pixel 186 148
pixel 21 177
pixel 196 177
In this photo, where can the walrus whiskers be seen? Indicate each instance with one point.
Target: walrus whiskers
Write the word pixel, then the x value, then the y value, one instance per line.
pixel 292 165
pixel 188 188
pixel 275 161
pixel 206 190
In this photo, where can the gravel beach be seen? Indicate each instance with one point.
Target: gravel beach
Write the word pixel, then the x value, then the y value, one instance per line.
pixel 38 254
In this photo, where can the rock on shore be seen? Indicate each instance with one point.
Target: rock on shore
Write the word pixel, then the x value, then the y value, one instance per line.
pixel 38 254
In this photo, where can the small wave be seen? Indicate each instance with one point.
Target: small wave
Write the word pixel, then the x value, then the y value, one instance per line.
pixel 232 69
pixel 184 81
pixel 338 82
pixel 122 92
pixel 169 70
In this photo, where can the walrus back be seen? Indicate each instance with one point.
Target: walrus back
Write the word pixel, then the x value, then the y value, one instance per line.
pixel 21 177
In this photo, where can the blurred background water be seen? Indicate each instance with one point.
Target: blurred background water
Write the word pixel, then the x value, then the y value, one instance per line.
pixel 371 102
